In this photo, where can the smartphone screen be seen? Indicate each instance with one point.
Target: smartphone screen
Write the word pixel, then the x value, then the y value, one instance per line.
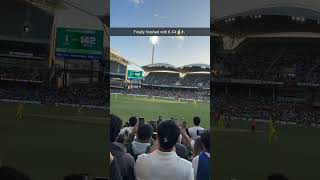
pixel 199 132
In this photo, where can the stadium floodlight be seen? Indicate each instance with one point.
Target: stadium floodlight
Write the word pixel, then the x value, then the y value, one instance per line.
pixel 154 40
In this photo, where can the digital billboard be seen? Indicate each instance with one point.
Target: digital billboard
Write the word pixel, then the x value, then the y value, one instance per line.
pixel 79 44
pixel 134 75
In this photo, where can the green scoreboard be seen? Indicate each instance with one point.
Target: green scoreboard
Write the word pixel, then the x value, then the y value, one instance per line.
pixel 134 75
pixel 81 44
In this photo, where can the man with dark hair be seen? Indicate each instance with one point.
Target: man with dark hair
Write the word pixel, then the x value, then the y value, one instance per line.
pixel 124 160
pixel 9 173
pixel 132 122
pixel 163 162
pixel 115 127
pixel 140 144
pixel 201 163
pixel 194 131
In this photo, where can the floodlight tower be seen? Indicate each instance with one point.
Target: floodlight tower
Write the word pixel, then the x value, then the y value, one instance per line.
pixel 154 40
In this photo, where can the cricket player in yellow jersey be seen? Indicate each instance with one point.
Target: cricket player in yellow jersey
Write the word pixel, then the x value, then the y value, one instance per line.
pixel 272 132
pixel 19 112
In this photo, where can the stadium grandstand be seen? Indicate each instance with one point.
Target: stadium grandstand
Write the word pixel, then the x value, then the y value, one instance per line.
pixel 24 50
pixel 255 56
pixel 52 101
pixel 161 79
pixel 161 74
pixel 265 92
pixel 197 75
pixel 118 70
pixel 27 49
pixel 190 81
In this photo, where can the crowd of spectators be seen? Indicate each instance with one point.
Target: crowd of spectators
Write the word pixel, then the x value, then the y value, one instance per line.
pixel 23 74
pixel 196 80
pixel 90 95
pixel 32 84
pixel 269 61
pixel 28 91
pixel 256 59
pixel 170 79
pixel 161 78
pixel 162 149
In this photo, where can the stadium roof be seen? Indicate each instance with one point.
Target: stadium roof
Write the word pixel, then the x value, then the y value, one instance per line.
pixel 116 57
pixel 47 5
pixel 275 19
pixel 105 19
pixel 196 65
pixel 292 10
pixel 194 68
pixel 159 66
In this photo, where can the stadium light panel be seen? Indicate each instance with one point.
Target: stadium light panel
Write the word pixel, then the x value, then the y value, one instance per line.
pixel 154 40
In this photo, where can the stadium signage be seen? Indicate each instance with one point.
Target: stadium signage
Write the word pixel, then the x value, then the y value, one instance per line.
pixel 134 75
pixel 79 44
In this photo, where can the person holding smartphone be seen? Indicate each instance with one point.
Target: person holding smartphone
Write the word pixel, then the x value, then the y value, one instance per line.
pixel 196 129
pixel 132 122
pixel 142 141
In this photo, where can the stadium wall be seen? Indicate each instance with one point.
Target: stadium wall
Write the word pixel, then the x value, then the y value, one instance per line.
pixel 165 97
pixel 56 104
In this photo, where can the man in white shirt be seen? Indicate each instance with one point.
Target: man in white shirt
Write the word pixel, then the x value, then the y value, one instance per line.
pixel 132 122
pixel 194 131
pixel 163 163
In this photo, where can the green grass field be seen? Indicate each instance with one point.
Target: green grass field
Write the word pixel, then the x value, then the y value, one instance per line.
pixel 127 106
pixel 51 142
pixel 240 155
